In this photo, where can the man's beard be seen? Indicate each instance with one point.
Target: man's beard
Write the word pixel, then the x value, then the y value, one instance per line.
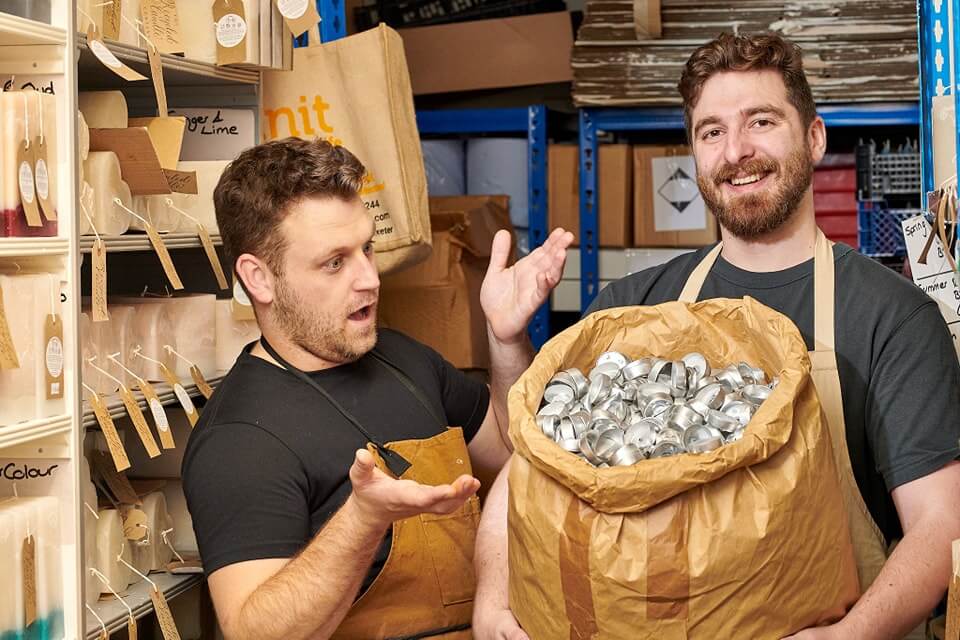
pixel 754 215
pixel 322 334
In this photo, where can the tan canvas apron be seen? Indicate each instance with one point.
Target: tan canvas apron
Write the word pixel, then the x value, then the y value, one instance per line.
pixel 868 542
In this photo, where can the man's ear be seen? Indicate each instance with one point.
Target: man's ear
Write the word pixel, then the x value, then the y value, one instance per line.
pixel 257 278
pixel 817 138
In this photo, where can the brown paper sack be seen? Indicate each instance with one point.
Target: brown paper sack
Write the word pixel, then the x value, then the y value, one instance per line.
pixel 356 92
pixel 747 541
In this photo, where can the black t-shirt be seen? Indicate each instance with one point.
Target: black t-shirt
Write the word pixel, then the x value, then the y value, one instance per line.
pixel 268 463
pixel 898 367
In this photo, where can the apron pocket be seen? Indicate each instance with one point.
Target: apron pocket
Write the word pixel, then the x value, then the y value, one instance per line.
pixel 450 540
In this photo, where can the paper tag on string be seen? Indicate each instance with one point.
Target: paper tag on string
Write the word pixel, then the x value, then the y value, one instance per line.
pixel 205 389
pixel 116 481
pixel 131 628
pixel 161 249
pixel 182 396
pixel 156 74
pixel 117 452
pixel 240 306
pixel 109 60
pixel 230 26
pixel 27 184
pixel 8 350
pixel 28 556
pixel 111 19
pixel 298 15
pixel 98 271
pixel 212 256
pixel 159 415
pixel 53 356
pixel 161 25
pixel 139 422
pixel 134 523
pixel 167 625
pixel 41 175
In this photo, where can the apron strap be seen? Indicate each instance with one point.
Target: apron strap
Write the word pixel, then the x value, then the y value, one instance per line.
pixel 691 290
pixel 823 287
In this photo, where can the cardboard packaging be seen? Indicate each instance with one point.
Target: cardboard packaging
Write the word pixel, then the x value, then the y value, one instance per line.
pixel 488 54
pixel 438 301
pixel 655 191
pixel 614 186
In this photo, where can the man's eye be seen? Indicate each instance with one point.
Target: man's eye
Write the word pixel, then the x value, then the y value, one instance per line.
pixel 368 248
pixel 335 264
pixel 762 122
pixel 713 133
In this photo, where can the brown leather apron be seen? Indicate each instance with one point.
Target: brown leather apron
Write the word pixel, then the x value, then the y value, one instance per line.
pixel 868 543
pixel 426 586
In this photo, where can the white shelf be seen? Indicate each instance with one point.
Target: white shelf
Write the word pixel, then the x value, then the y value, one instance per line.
pixel 177 70
pixel 137 597
pixel 140 242
pixel 26 432
pixel 164 392
pixel 16 31
pixel 24 247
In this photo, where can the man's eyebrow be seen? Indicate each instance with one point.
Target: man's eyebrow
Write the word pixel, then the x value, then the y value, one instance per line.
pixel 764 108
pixel 709 120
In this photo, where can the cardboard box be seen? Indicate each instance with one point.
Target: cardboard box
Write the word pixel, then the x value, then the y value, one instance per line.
pixel 656 188
pixel 438 301
pixel 488 54
pixel 614 184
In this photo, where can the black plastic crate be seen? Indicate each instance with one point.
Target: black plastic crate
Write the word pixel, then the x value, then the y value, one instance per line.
pixel 418 13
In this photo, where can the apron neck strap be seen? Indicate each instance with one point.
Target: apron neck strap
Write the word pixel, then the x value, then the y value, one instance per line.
pixel 823 288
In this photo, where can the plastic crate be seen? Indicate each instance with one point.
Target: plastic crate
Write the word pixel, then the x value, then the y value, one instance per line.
pixel 880 232
pixel 887 173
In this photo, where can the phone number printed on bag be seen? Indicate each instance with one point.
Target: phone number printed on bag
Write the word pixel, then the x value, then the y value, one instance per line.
pixel 382 220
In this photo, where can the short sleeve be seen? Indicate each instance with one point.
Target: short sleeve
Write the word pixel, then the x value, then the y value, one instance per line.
pixel 914 399
pixel 465 399
pixel 247 495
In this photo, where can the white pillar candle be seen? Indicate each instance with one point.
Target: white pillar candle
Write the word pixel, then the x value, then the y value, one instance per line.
pixel 88 493
pixel 102 171
pixel 194 325
pixel 103 109
pixel 121 324
pixel 98 339
pixel 129 35
pixel 14 108
pixel 46 302
pixel 198 34
pixel 18 387
pixel 200 206
pixel 161 216
pixel 44 518
pixel 152 329
pixel 184 539
pixel 11 606
pixel 110 543
pixel 232 335
pixel 154 555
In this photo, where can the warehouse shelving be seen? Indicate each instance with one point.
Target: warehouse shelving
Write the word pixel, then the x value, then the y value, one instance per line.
pixel 164 393
pixel 137 597
pixel 531 120
pixel 140 242
pixel 27 247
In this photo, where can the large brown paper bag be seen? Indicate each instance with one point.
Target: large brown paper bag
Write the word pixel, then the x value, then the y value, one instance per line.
pixel 356 92
pixel 747 541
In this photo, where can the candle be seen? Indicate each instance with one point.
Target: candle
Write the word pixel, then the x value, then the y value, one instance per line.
pixel 18 387
pixel 98 339
pixel 159 213
pixel 102 171
pixel 121 324
pixel 103 109
pixel 184 539
pixel 194 324
pixel 200 206
pixel 44 517
pixel 152 328
pixel 46 303
pixel 15 106
pixel 11 606
pixel 88 493
pixel 154 554
pixel 110 543
pixel 232 335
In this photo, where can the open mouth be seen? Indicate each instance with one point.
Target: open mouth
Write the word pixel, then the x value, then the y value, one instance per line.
pixel 362 314
pixel 748 182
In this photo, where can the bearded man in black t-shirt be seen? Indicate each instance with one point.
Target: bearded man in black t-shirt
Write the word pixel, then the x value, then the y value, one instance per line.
pixel 330 477
pixel 756 137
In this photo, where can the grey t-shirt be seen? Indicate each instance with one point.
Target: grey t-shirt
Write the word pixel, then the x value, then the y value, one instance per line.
pixel 898 367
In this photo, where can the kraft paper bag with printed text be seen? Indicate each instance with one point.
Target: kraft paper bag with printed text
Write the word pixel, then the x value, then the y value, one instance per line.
pixel 355 92
pixel 747 541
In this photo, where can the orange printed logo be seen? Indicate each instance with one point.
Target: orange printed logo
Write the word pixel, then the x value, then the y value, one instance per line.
pixel 370 185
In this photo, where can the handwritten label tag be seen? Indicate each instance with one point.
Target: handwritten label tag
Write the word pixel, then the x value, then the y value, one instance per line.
pixel 937 278
pixel 159 415
pixel 139 422
pixel 202 385
pixel 111 19
pixel 116 481
pixel 28 556
pixel 182 396
pixel 212 256
pixel 211 134
pixel 131 628
pixel 231 31
pixel 41 174
pixel 181 181
pixel 99 288
pixel 134 523
pixel 27 184
pixel 156 74
pixel 117 452
pixel 161 25
pixel 8 351
pixel 53 356
pixel 161 250
pixel 102 53
pixel 298 15
pixel 167 625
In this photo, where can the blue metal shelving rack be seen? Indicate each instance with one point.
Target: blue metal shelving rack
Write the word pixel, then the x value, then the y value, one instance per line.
pixel 531 120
